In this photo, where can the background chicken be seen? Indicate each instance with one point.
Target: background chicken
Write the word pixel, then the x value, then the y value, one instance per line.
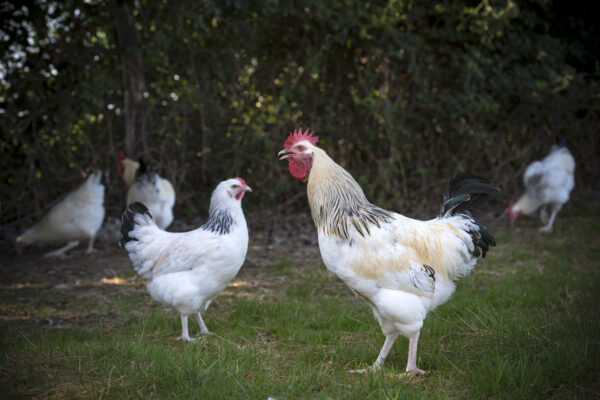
pixel 147 187
pixel 402 267
pixel 78 216
pixel 548 184
pixel 187 270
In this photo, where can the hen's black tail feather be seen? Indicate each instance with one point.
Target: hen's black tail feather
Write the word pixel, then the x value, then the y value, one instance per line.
pixel 465 193
pixel 128 220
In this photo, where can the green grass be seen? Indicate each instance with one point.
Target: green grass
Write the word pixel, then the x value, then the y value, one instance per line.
pixel 524 325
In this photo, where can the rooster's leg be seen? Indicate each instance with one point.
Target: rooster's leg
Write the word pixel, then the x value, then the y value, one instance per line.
pixel 387 346
pixel 385 350
pixel 61 252
pixel 185 335
pixel 90 248
pixel 411 365
pixel 203 327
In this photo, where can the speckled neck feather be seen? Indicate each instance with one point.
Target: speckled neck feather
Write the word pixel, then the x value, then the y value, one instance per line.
pixel 219 221
pixel 337 201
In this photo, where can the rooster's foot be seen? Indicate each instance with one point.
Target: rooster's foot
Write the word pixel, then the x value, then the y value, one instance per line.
pixel 373 368
pixel 415 371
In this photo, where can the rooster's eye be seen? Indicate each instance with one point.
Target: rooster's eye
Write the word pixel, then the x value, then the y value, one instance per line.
pixel 300 148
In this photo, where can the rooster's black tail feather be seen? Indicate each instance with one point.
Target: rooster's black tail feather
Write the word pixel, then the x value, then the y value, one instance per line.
pixel 465 193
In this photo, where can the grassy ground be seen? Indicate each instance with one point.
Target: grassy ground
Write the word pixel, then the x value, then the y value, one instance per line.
pixel 524 325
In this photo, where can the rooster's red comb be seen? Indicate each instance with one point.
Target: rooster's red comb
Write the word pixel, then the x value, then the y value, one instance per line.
pixel 298 136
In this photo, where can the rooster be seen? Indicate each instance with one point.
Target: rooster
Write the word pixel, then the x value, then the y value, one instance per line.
pixel 148 188
pixel 78 216
pixel 188 270
pixel 548 184
pixel 402 267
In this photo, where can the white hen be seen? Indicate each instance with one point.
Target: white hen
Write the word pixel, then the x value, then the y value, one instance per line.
pixel 149 188
pixel 189 269
pixel 78 216
pixel 548 184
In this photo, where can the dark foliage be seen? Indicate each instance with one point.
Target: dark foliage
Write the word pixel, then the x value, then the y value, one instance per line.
pixel 403 94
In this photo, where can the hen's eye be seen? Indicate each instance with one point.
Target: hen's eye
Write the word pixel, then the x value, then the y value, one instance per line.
pixel 235 186
pixel 300 148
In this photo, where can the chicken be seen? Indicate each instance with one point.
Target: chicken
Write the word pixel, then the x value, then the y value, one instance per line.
pixel 78 216
pixel 127 168
pixel 548 184
pixel 147 187
pixel 402 267
pixel 187 270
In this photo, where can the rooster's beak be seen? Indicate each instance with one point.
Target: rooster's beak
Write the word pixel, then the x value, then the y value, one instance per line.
pixel 284 156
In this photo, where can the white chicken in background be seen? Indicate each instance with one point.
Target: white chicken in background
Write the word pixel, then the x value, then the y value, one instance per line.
pixel 78 216
pixel 189 269
pixel 548 184
pixel 402 267
pixel 148 188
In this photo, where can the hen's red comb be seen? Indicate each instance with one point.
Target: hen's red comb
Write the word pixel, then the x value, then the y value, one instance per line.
pixel 243 182
pixel 298 136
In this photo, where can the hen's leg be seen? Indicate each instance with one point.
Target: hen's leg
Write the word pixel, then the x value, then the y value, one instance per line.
pixel 90 248
pixel 203 327
pixel 544 214
pixel 411 365
pixel 387 346
pixel 555 208
pixel 61 252
pixel 185 335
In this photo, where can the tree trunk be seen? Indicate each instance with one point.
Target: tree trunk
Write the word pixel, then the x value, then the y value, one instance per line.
pixel 134 84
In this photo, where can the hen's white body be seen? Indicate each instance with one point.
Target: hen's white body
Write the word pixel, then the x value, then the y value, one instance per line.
pixel 157 194
pixel 548 184
pixel 188 270
pixel 78 216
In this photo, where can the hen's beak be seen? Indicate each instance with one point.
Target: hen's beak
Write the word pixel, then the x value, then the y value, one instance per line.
pixel 247 189
pixel 284 156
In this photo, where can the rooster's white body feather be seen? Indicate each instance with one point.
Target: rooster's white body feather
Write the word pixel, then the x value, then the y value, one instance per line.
pixel 392 276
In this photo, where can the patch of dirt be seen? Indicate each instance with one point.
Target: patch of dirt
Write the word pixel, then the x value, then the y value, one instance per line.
pixel 75 291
